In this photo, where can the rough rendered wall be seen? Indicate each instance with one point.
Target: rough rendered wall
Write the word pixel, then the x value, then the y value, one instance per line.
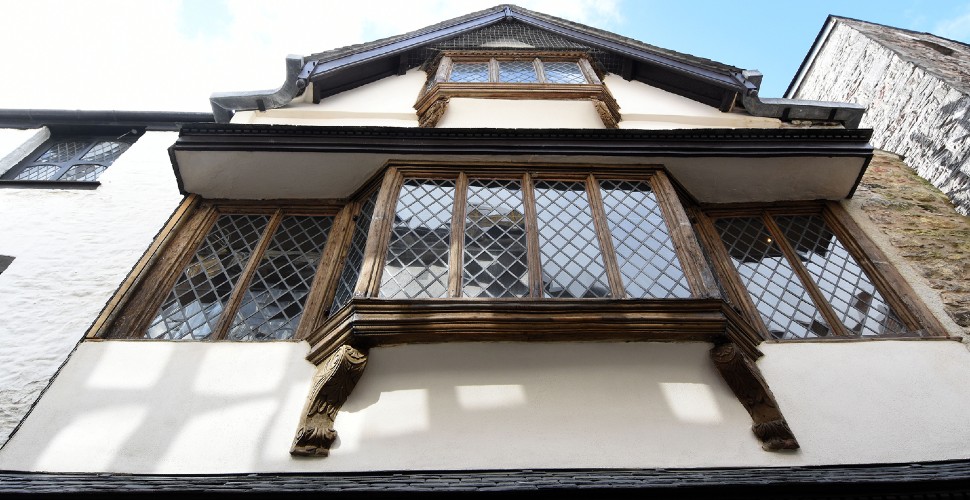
pixel 72 248
pixel 913 112
pixel 923 228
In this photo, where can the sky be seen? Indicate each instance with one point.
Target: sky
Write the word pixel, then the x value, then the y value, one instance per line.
pixel 170 55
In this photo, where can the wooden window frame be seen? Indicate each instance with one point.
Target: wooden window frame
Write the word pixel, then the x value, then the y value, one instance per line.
pixel 695 268
pixel 130 313
pixel 885 278
pixel 433 101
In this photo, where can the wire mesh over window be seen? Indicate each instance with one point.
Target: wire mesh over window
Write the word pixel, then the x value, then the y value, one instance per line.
pixel 495 262
pixel 784 305
pixel 572 263
pixel 192 309
pixel 644 251
pixel 416 265
pixel 562 72
pixel 842 281
pixel 355 255
pixel 469 72
pixel 517 72
pixel 273 302
pixel 76 159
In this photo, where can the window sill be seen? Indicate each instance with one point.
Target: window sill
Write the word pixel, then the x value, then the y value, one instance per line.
pixel 433 103
pixel 369 322
pixel 49 184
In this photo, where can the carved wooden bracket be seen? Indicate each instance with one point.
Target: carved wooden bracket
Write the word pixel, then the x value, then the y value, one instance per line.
pixel 332 384
pixel 744 378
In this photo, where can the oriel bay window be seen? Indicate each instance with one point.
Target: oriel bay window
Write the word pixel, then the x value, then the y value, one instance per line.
pixel 529 235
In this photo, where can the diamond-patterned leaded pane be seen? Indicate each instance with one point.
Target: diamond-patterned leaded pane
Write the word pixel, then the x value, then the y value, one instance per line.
pixel 105 151
pixel 192 309
pixel 417 255
pixel 273 302
pixel 644 251
pixel 495 262
pixel 563 72
pixel 355 256
pixel 785 306
pixel 83 173
pixel 62 151
pixel 517 72
pixel 572 264
pixel 38 173
pixel 844 284
pixel 469 72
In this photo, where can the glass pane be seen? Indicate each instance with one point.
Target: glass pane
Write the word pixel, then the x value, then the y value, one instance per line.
pixel 417 255
pixel 273 303
pixel 83 173
pixel 105 152
pixel 495 262
pixel 572 264
pixel 785 306
pixel 469 72
pixel 517 72
pixel 355 256
pixel 851 293
pixel 563 72
pixel 646 255
pixel 62 151
pixel 38 173
pixel 192 309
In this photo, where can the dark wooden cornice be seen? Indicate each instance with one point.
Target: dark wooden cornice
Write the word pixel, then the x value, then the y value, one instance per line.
pixel 598 142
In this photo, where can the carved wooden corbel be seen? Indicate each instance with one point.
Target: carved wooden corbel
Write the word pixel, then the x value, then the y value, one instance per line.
pixel 744 378
pixel 332 383
pixel 429 118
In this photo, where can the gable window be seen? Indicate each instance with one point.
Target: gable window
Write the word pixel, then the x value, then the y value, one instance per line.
pixel 514 74
pixel 803 279
pixel 70 158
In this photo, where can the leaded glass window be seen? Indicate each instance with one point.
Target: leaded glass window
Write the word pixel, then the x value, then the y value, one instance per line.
pixel 803 280
pixel 517 72
pixel 282 266
pixel 69 159
pixel 417 255
pixel 355 255
pixel 495 261
pixel 469 72
pixel 535 70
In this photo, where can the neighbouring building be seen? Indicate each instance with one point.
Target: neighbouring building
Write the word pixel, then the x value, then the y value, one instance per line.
pixel 505 253
pixel 915 87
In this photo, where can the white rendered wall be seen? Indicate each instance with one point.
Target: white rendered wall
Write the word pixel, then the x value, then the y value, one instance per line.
pixel 171 407
pixel 72 249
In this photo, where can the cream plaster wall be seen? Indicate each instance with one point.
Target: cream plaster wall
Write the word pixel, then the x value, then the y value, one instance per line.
pixel 170 407
pixel 72 248
pixel 645 107
pixel 388 102
pixel 510 113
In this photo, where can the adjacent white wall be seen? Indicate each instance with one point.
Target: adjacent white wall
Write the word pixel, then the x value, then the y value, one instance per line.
pixel 171 407
pixel 72 248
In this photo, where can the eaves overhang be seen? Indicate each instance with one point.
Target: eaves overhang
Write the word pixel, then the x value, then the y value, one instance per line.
pixel 712 165
pixel 148 120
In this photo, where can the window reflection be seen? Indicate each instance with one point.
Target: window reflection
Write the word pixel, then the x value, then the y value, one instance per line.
pixel 494 262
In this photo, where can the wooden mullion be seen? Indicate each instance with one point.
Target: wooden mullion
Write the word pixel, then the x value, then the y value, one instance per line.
pixel 533 259
pixel 601 225
pixel 696 270
pixel 737 292
pixel 241 285
pixel 493 70
pixel 122 297
pixel 588 70
pixel 444 70
pixel 328 272
pixel 455 265
pixel 154 287
pixel 540 71
pixel 808 282
pixel 894 288
pixel 369 282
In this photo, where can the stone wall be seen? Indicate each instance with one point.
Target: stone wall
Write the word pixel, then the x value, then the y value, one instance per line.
pixel 923 227
pixel 914 110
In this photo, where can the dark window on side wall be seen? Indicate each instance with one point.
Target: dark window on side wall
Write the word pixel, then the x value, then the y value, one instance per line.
pixel 72 157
